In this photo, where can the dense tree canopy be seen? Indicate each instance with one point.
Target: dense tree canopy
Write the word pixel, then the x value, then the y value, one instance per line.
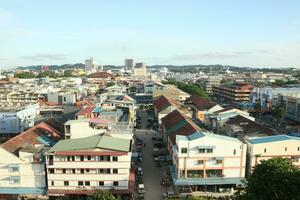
pixel 193 88
pixel 275 179
pixel 103 195
pixel 25 75
pixel 44 74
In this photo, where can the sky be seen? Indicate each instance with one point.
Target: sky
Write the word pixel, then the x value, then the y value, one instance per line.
pixel 252 33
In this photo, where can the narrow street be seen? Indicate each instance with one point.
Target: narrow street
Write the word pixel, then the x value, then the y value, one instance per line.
pixel 152 174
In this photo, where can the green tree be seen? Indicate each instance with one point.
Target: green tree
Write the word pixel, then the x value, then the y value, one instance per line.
pixel 45 74
pixel 103 195
pixel 24 75
pixel 279 113
pixel 68 73
pixel 257 106
pixel 275 179
pixel 109 84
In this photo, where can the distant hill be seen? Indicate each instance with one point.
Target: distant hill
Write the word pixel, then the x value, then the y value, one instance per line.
pixel 174 68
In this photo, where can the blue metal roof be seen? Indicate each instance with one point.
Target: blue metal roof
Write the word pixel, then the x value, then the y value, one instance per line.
pixel 22 190
pixel 195 135
pixel 273 138
pixel 46 140
pixel 97 110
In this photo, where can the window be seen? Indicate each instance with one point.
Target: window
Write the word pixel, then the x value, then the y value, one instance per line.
pixel 218 162
pixel 82 171
pixel 52 183
pixel 265 150
pixel 209 150
pixel 115 158
pixel 64 171
pixel 68 158
pixel 66 183
pixel 80 183
pixel 89 157
pixel 73 171
pixel 214 173
pixel 115 183
pixel 87 183
pixel 101 183
pixel 201 150
pixel 285 148
pixel 51 171
pixel 73 158
pixel 15 169
pixel 234 151
pixel 87 170
pixel 183 150
pixel 200 162
pixel 115 171
pixel 298 148
pixel 81 158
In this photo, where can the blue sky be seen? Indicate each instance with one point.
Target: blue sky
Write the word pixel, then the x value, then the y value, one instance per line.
pixel 242 33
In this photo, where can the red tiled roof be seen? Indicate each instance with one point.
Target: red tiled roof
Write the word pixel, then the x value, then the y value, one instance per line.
pixel 100 75
pixel 250 128
pixel 186 130
pixel 86 110
pixel 161 103
pixel 30 137
pixel 172 118
pixel 200 103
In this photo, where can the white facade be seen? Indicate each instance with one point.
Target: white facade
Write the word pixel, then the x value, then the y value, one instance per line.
pixel 90 66
pixel 264 148
pixel 67 98
pixel 82 128
pixel 21 172
pixel 80 166
pixel 209 159
pixel 14 121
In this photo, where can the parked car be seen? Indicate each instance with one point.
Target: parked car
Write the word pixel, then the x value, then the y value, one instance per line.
pixel 139 171
pixel 141 189
pixel 159 145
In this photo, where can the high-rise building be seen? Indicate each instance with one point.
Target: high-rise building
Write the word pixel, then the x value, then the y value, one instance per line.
pixel 129 64
pixel 90 66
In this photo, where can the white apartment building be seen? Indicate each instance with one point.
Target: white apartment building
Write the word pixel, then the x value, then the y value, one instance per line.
pixel 14 120
pixel 264 148
pixel 21 174
pixel 90 66
pixel 82 166
pixel 208 162
pixel 22 166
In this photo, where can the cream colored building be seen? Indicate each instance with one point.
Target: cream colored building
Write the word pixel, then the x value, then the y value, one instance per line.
pixel 208 162
pixel 264 148
pixel 85 165
pixel 171 92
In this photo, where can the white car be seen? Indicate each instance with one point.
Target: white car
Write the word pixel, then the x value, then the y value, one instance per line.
pixel 141 188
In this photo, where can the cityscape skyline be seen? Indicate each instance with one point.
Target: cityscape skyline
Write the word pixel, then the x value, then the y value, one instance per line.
pixel 252 34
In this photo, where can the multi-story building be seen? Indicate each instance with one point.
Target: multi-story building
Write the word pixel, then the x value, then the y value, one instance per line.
pixel 90 66
pixel 212 81
pixel 129 64
pixel 22 163
pixel 208 162
pixel 292 104
pixel 269 96
pixel 14 120
pixel 85 165
pixel 233 93
pixel 264 148
pixel 140 70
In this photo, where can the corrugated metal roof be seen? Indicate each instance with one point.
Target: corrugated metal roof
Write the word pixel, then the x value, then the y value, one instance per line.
pixel 273 138
pixel 92 142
